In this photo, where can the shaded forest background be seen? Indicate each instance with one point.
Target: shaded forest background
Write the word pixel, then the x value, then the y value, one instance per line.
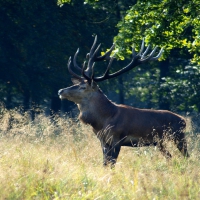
pixel 38 37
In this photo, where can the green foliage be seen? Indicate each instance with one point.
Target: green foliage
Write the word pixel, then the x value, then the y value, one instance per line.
pixel 61 2
pixel 184 87
pixel 170 24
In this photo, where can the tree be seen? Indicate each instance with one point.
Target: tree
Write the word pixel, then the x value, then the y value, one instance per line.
pixel 174 25
pixel 33 52
pixel 171 24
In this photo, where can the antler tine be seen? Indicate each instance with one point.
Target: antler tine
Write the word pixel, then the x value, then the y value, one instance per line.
pixel 142 48
pixel 92 59
pixel 74 61
pixel 110 63
pixel 83 73
pixel 106 74
pixel 92 75
pixel 150 56
pixel 93 46
pixel 71 71
pixel 144 54
pixel 106 56
pixel 159 54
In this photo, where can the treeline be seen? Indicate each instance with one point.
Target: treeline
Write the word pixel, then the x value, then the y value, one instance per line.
pixel 37 38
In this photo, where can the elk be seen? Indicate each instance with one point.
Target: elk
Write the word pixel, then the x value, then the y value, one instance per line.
pixel 120 125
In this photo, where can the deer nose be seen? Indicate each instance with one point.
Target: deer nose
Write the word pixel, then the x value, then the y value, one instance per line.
pixel 60 91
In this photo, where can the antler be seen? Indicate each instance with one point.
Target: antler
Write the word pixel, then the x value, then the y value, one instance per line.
pixel 137 59
pixel 92 57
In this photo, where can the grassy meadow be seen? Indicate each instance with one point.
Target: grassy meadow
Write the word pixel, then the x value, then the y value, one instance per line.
pixel 62 159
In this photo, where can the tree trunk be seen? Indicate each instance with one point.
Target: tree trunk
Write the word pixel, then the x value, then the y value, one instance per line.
pixel 120 80
pixel 121 90
pixel 8 98
pixel 26 101
pixel 164 102
pixel 55 105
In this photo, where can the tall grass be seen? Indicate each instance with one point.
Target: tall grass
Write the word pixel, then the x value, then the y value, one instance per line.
pixel 62 159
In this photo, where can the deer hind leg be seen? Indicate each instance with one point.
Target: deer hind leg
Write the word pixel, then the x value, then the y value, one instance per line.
pixel 181 144
pixel 161 147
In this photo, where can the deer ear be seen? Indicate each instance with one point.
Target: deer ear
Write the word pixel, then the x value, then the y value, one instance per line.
pixel 75 81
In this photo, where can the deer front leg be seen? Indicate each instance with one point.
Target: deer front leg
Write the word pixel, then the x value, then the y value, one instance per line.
pixel 106 154
pixel 114 154
pixel 110 153
pixel 161 147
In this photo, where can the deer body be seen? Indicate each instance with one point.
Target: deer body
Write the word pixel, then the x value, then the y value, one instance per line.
pixel 120 125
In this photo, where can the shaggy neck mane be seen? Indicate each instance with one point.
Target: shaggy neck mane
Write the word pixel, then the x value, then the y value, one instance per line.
pixel 96 109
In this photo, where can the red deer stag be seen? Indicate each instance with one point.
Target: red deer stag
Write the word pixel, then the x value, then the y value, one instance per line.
pixel 120 125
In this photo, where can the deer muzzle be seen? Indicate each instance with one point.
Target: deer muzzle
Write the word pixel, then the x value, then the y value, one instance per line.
pixel 60 92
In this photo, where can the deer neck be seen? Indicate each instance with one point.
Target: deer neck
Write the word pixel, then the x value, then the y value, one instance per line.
pixel 96 109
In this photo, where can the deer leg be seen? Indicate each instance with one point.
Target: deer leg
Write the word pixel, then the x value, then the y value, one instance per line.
pixel 163 150
pixel 110 154
pixel 106 153
pixel 106 148
pixel 114 154
pixel 182 144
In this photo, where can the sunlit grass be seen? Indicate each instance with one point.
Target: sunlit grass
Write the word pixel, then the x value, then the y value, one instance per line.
pixel 62 159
